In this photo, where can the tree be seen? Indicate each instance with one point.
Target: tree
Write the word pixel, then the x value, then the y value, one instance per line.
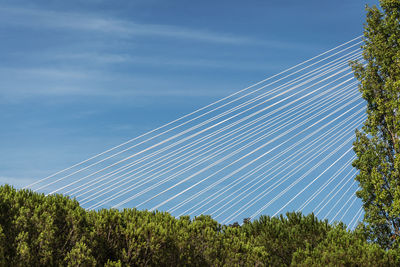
pixel 2 247
pixel 344 248
pixel 55 231
pixel 80 255
pixel 377 144
pixel 282 236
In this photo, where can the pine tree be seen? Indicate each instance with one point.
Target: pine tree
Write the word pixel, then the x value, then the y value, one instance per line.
pixel 377 144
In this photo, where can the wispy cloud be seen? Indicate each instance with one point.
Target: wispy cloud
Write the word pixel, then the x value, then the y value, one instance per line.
pixel 161 61
pixel 65 67
pixel 123 28
pixel 65 82
pixel 47 73
pixel 102 58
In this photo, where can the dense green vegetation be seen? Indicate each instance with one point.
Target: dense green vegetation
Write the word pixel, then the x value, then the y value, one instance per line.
pixel 38 230
pixel 378 142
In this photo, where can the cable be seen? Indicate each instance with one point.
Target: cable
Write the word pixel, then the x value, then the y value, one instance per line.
pixel 296 93
pixel 141 160
pixel 287 105
pixel 192 113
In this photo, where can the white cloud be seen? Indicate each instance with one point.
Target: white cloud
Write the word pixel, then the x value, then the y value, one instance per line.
pixel 109 58
pixel 76 71
pixel 32 82
pixel 122 28
pixel 91 57
pixel 50 73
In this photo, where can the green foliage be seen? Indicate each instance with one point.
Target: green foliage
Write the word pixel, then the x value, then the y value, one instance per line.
pixel 378 142
pixel 110 263
pixel 54 231
pixel 2 247
pixel 38 229
pixel 283 236
pixel 80 255
pixel 343 248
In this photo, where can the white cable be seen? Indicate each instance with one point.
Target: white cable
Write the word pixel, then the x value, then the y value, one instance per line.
pixel 253 131
pixel 298 180
pixel 123 168
pixel 354 218
pixel 274 167
pixel 309 184
pixel 331 179
pixel 316 211
pixel 117 195
pixel 204 123
pixel 358 218
pixel 348 207
pixel 337 202
pixel 263 175
pixel 247 174
pixel 275 111
pixel 276 185
pixel 237 170
pixel 286 98
pixel 48 177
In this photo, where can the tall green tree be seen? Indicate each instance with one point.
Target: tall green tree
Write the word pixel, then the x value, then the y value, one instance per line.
pixel 377 144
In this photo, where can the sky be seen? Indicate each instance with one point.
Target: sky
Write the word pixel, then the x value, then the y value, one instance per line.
pixel 79 77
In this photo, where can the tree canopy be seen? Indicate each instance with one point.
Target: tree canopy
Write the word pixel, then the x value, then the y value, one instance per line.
pixel 38 230
pixel 378 142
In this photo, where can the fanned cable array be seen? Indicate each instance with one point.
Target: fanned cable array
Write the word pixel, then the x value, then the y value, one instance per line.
pixel 282 144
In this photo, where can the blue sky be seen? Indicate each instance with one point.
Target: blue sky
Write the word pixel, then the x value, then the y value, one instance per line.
pixel 78 77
